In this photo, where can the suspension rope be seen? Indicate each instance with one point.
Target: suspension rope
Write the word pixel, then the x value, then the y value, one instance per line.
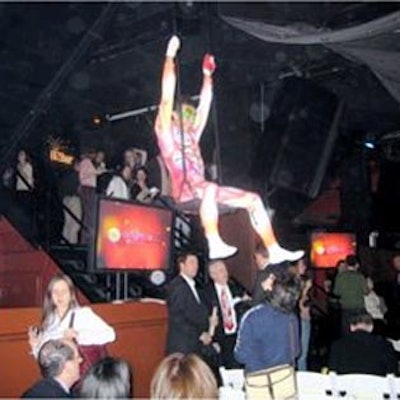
pixel 179 110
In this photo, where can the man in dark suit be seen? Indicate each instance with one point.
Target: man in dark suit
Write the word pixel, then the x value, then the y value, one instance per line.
pixel 228 297
pixel 59 364
pixel 189 325
pixel 261 257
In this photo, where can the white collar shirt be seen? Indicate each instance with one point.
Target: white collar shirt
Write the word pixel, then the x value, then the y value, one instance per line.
pixel 192 284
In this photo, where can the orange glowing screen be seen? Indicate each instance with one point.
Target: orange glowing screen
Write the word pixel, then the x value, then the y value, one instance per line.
pixel 328 248
pixel 132 236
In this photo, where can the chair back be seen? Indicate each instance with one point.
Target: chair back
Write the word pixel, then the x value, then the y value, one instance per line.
pixel 233 378
pixel 363 387
pixel 315 386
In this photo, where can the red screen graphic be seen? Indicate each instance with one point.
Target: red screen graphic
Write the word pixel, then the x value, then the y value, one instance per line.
pixel 328 248
pixel 132 236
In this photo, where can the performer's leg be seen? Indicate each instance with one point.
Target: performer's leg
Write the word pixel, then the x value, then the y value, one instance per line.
pixel 260 221
pixel 209 219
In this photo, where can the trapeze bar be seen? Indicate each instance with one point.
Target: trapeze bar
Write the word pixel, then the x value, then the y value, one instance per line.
pixel 139 111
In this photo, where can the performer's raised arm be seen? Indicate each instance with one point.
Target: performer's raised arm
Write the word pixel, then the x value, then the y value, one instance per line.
pixel 206 95
pixel 168 83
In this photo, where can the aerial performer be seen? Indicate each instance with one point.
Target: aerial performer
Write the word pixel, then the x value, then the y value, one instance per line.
pixel 178 135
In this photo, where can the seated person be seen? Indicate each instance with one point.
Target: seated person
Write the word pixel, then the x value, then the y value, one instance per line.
pixel 361 351
pixel 109 378
pixel 183 376
pixel 59 361
pixel 269 332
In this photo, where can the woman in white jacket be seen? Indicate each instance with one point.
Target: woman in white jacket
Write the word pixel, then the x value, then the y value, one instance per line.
pixel 62 317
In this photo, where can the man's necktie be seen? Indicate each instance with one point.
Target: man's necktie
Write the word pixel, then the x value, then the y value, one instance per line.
pixel 226 309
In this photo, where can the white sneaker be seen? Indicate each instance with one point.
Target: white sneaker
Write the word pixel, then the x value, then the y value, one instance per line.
pixel 277 254
pixel 221 250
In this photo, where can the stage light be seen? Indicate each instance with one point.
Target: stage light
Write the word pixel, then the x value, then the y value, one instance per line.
pixel 158 277
pixel 369 145
pixel 370 141
pixel 97 120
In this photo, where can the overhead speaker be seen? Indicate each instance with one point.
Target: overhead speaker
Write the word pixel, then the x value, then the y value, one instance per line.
pixel 304 122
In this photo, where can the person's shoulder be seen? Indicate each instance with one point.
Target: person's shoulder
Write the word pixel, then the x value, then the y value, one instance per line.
pixel 253 312
pixel 209 288
pixel 341 343
pixel 340 277
pixel 33 390
pixel 83 311
pixel 382 341
pixel 46 387
pixel 176 282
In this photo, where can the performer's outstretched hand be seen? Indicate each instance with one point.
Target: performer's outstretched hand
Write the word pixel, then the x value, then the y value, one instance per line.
pixel 208 64
pixel 173 46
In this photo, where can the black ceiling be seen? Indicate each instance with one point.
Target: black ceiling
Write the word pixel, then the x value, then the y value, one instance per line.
pixel 113 65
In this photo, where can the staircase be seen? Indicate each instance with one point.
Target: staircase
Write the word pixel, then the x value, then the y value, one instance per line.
pixel 29 257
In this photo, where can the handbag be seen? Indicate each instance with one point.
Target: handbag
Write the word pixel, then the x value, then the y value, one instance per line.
pixel 90 353
pixel 274 383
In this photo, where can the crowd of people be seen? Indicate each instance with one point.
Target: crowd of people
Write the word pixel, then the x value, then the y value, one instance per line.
pixel 369 322
pixel 219 324
pixel 69 346
pixel 272 325
pixel 134 178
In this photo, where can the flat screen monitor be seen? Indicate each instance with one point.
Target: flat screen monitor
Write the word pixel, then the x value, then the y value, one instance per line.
pixel 132 236
pixel 328 248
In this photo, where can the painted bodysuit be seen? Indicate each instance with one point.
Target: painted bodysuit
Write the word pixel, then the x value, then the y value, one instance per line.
pixel 186 167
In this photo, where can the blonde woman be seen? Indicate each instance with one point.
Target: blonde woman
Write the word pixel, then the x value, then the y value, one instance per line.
pixel 183 376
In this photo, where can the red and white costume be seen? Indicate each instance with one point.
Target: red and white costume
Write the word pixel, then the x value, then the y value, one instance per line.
pixel 186 166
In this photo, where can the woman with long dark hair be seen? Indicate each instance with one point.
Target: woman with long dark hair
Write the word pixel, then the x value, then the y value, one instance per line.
pixel 140 189
pixel 63 317
pixel 269 332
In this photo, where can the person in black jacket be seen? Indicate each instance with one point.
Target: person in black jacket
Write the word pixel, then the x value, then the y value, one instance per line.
pixel 361 351
pixel 59 365
pixel 231 301
pixel 189 326
pixel 261 257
